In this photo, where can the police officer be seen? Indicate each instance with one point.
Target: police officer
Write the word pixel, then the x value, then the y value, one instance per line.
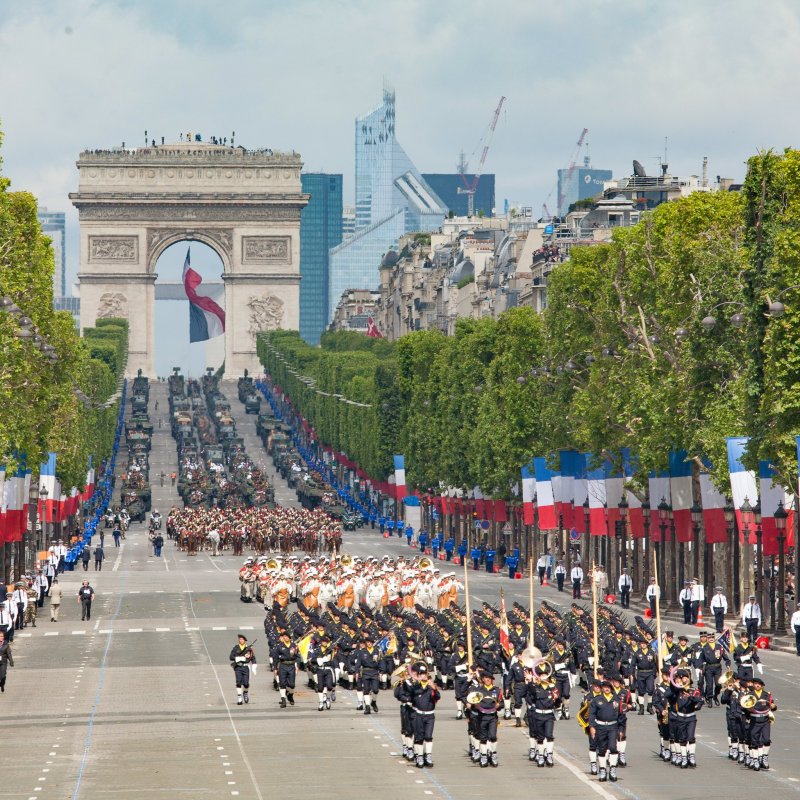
pixel 795 625
pixel 751 618
pixel 719 608
pixel 576 576
pixel 241 657
pixel 561 574
pixel 625 585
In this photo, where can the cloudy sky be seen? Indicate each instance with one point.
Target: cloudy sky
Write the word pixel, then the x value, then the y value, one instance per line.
pixel 716 77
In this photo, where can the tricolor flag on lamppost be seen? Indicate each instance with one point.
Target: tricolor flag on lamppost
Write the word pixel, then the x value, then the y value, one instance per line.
pixel 528 494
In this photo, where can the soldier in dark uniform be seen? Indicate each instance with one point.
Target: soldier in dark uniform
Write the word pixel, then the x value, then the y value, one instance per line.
pixel 684 703
pixel 745 655
pixel 241 657
pixel 367 665
pixel 404 694
pixel 625 705
pixel 458 668
pixel 564 672
pixel 734 720
pixel 322 657
pixel 486 709
pixel 661 708
pixel 543 701
pixel 759 725
pixel 517 687
pixel 603 725
pixel 285 656
pixel 711 656
pixel 425 696
pixel 645 665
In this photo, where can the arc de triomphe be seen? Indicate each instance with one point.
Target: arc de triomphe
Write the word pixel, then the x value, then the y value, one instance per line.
pixel 244 204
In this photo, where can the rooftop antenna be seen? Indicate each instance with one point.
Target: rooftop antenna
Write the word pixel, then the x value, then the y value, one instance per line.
pixel 665 162
pixel 705 171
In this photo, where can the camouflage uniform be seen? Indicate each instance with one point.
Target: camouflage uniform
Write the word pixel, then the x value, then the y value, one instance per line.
pixel 30 611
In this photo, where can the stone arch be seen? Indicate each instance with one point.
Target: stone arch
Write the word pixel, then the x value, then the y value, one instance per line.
pixel 220 240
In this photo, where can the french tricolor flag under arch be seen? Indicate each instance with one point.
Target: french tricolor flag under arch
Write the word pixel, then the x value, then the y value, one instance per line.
pixel 206 318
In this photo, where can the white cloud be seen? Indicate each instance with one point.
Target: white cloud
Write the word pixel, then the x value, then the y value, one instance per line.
pixel 716 77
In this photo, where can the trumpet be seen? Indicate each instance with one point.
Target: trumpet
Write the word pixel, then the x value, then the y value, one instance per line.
pixel 726 678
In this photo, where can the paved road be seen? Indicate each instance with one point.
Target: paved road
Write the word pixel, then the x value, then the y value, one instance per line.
pixel 139 702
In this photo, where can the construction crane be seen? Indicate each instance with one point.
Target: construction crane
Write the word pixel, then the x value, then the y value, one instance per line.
pixel 470 187
pixel 567 182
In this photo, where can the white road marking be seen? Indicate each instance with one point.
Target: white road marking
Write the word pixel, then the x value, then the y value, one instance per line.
pixel 78 633
pixel 162 630
pixel 118 559
pixel 134 630
pixel 578 773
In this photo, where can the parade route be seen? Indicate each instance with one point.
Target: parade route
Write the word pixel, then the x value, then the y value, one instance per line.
pixel 139 702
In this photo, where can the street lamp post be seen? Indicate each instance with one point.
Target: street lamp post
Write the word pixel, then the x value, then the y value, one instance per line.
pixel 623 539
pixel 780 525
pixel 747 514
pixel 646 565
pixel 33 508
pixel 731 562
pixel 697 518
pixel 759 587
pixel 587 525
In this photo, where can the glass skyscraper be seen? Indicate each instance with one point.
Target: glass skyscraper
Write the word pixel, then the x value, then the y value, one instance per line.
pixel 54 225
pixel 320 231
pixel 392 198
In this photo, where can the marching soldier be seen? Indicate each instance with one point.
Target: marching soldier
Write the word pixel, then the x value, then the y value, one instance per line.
pixel 625 705
pixel 486 709
pixel 404 694
pixel 326 674
pixel 604 711
pixel 241 658
pixel 684 703
pixel 459 669
pixel 745 655
pixel 424 698
pixel 711 656
pixel 759 715
pixel 661 708
pixel 5 659
pixel 368 667
pixel 543 700
pixel 734 720
pixel 285 659
pixel 564 673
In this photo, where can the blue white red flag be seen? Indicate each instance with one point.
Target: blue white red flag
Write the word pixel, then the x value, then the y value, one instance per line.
pixel 206 318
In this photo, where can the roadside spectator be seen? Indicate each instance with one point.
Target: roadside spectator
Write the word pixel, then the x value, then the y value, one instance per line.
pixel 55 600
pixel 85 597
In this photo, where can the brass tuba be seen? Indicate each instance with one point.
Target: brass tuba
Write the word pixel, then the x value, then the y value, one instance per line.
pixel 747 701
pixel 583 716
pixel 474 697
pixel 530 657
pixel 426 563
pixel 726 678
pixel 271 564
pixel 346 559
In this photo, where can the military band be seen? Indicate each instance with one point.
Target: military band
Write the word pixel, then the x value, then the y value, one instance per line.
pixel 359 624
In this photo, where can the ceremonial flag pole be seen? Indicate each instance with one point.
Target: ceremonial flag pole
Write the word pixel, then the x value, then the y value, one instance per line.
pixel 658 613
pixel 594 621
pixel 531 638
pixel 466 606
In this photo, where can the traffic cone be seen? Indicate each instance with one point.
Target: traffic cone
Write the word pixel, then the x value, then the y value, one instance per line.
pixel 700 623
pixel 544 582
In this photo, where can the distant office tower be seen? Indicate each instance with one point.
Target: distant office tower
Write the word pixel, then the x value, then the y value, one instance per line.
pixel 450 187
pixel 320 230
pixel 584 183
pixel 348 221
pixel 392 198
pixel 54 225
